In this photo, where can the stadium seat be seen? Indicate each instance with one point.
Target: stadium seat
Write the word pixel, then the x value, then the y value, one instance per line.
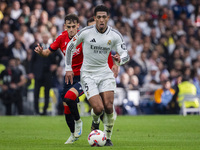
pixel 185 110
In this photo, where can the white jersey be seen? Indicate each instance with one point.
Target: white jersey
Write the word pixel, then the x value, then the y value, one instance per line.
pixel 96 49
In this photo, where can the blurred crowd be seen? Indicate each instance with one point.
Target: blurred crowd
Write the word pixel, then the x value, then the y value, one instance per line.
pixel 162 37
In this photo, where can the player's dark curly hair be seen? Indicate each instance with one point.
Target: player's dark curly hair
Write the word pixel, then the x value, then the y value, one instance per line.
pixel 90 20
pixel 101 8
pixel 72 18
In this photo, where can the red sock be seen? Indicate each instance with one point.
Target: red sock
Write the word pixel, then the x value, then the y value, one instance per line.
pixel 66 110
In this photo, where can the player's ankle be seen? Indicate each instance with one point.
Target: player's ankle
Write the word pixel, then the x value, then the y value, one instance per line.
pixel 79 120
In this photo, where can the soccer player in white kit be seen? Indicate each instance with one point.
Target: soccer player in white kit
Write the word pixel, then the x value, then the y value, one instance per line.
pixel 97 79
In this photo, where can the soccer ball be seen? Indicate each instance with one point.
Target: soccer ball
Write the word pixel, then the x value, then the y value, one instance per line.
pixel 97 138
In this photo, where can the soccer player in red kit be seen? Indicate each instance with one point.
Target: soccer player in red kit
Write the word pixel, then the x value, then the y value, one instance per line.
pixel 71 92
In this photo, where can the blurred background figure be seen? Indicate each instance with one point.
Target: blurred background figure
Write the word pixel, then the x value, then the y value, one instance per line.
pixel 57 83
pixel 11 88
pixel 42 68
pixel 184 87
pixel 162 97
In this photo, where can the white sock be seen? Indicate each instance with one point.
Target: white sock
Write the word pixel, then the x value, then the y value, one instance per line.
pixel 96 118
pixel 115 114
pixel 108 121
pixel 76 121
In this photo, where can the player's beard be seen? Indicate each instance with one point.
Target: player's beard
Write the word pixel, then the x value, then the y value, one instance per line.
pixel 101 27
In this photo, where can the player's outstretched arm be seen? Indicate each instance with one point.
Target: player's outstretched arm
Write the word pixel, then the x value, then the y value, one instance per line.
pixel 41 52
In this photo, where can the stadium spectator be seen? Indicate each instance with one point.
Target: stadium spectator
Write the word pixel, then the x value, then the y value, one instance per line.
pixel 153 75
pixel 29 75
pixel 26 37
pixel 16 10
pixel 37 39
pixel 57 83
pixel 17 36
pixel 5 51
pixel 195 80
pixel 143 63
pixel 12 82
pixel 180 8
pixel 184 87
pixel 44 20
pixel 124 81
pixel 42 67
pixel 154 58
pixel 152 80
pixel 53 31
pixel 3 5
pixel 162 69
pixel 134 83
pixel 18 51
pixel 162 97
pixel 26 12
pixel 33 23
pixel 51 8
pixel 59 19
pixel 5 31
pixel 195 49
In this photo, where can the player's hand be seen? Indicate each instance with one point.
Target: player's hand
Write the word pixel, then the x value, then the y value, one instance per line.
pixel 115 70
pixel 38 49
pixel 116 57
pixel 69 77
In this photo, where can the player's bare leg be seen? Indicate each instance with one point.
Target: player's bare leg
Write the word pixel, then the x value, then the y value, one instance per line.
pixel 109 117
pixel 97 110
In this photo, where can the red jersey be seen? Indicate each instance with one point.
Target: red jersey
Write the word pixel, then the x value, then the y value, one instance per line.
pixel 61 42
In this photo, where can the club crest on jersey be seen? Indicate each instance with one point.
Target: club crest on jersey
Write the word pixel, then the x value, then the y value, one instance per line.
pixel 88 93
pixel 109 42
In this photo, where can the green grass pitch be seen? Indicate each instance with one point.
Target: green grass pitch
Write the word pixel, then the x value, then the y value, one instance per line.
pixel 170 132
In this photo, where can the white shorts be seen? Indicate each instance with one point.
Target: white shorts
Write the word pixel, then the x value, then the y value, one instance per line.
pixel 93 84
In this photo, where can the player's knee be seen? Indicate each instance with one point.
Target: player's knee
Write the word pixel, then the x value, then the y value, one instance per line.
pixel 98 110
pixel 109 108
pixel 67 100
pixel 70 96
